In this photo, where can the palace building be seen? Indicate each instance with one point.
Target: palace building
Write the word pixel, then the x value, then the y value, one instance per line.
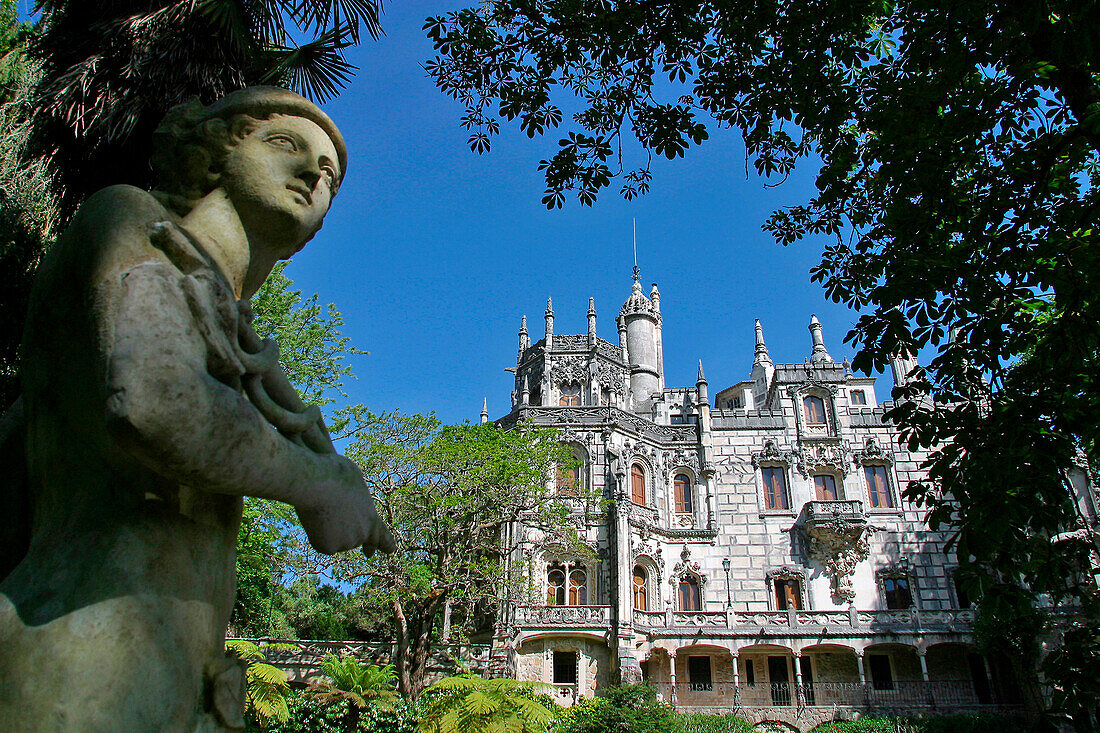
pixel 752 550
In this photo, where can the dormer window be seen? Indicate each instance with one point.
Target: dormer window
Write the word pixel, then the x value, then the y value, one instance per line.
pixel 814 410
pixel 570 396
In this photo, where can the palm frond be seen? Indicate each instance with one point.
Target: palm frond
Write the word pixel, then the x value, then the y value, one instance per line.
pixel 316 15
pixel 245 650
pixel 316 69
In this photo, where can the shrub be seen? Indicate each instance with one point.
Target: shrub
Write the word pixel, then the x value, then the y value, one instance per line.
pixel 309 714
pixel 700 723
pixel 630 708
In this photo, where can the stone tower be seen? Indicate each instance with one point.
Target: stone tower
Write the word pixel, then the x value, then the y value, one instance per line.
pixel 640 336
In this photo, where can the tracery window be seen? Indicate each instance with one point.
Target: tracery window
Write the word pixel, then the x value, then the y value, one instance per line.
pixel 570 396
pixel 578 587
pixel 641 596
pixel 555 585
pixel 682 493
pixel 566 585
pixel 825 487
pixel 897 591
pixel 637 484
pixel 775 488
pixel 878 487
pixel 690 599
pixel 814 408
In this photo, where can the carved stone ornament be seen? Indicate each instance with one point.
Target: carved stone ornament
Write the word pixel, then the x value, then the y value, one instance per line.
pixel 772 454
pixel 815 456
pixel 839 542
pixel 687 566
pixel 681 459
pixel 611 377
pixel 872 452
pixel 812 385
pixel 568 370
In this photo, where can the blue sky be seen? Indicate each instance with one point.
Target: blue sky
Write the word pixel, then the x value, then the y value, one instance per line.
pixel 433 252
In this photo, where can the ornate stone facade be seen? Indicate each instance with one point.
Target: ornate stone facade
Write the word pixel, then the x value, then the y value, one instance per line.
pixel 744 541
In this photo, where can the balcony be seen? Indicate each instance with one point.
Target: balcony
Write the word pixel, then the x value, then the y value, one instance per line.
pixel 838 533
pixel 897 695
pixel 564 616
pixel 790 623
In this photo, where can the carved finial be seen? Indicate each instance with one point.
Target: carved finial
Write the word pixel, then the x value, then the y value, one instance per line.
pixel 655 296
pixel 484 410
pixel 701 379
pixel 819 353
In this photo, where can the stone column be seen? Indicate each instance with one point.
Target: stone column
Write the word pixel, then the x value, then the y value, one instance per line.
pixel 930 695
pixel 860 655
pixel 797 664
pixel 672 676
pixel 736 677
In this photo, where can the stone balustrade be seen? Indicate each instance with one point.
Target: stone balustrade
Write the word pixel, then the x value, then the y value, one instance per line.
pixel 798 623
pixel 570 616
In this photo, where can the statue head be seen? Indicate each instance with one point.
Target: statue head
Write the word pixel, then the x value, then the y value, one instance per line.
pixel 198 149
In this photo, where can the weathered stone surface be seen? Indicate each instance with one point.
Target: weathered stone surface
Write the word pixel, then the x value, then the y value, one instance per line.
pixel 149 412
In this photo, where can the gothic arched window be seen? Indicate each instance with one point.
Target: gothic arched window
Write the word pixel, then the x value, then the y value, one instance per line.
pixel 637 484
pixel 682 493
pixel 689 594
pixel 570 396
pixel 578 587
pixel 555 585
pixel 641 599
pixel 814 410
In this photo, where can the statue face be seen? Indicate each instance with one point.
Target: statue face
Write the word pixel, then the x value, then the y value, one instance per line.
pixel 280 179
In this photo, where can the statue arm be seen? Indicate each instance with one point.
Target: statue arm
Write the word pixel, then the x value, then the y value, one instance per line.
pixel 165 408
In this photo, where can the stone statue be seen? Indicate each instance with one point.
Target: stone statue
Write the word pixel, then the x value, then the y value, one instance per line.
pixel 150 408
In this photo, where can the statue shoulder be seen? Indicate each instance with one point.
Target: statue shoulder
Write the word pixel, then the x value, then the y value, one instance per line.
pixel 120 206
pixel 110 232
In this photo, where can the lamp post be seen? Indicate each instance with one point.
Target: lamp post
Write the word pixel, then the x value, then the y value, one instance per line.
pixel 726 567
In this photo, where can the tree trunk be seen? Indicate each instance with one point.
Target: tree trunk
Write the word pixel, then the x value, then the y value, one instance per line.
pixel 415 623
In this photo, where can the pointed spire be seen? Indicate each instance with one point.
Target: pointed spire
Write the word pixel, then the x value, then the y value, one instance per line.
pixel 655 296
pixel 591 322
pixel 761 348
pixel 701 390
pixel 549 323
pixel 484 410
pixel 525 391
pixel 819 353
pixel 524 340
